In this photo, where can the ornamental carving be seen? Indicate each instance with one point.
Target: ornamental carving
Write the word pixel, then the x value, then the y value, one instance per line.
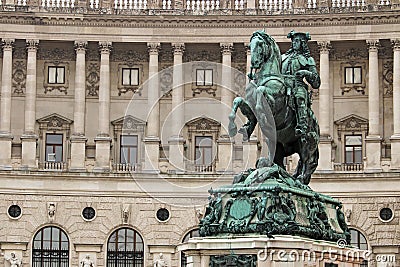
pixel 166 56
pixel 178 48
pixel 226 48
pixel 373 45
pixel 92 54
pixel 166 79
pixel 153 48
pixel 128 124
pixel 388 77
pixel 129 56
pixel 349 54
pixel 203 55
pixel 324 47
pixel 105 47
pixel 32 45
pixel 92 78
pixel 234 260
pixel 54 122
pixel 203 125
pixel 80 46
pixel 57 54
pixel 352 123
pixel 7 44
pixel 239 55
pixel 19 51
pixel 19 77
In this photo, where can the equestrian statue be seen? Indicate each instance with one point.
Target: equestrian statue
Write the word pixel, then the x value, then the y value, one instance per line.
pixel 280 85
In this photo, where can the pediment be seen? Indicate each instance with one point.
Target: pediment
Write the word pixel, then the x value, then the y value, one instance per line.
pixel 352 122
pixel 54 121
pixel 203 124
pixel 129 123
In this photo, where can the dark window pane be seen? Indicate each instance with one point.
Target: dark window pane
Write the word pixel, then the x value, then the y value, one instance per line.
pixel 127 252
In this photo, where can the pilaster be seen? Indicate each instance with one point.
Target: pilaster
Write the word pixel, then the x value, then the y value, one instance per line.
pixel 395 138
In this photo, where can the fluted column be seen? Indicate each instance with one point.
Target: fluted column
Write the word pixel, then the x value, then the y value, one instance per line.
pixel 103 139
pixel 78 139
pixel 325 145
pixel 5 121
pixel 225 144
pixel 152 139
pixel 176 141
pixel 395 138
pixel 29 136
pixel 373 140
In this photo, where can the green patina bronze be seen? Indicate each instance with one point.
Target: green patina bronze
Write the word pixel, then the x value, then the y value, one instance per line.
pixel 267 199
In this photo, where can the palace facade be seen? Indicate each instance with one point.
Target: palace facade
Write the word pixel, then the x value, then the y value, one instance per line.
pixel 113 121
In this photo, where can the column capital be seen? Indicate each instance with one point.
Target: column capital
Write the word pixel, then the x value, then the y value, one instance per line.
pixel 226 48
pixel 396 44
pixel 153 48
pixel 80 46
pixel 7 44
pixel 373 45
pixel 178 48
pixel 105 47
pixel 32 45
pixel 324 47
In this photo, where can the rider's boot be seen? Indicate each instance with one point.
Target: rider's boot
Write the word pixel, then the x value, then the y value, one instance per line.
pixel 302 121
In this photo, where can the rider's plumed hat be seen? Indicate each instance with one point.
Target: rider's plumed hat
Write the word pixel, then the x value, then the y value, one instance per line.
pixel 303 35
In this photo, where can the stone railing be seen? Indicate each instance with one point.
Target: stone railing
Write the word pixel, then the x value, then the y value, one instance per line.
pixel 53 166
pixel 197 7
pixel 200 168
pixel 348 167
pixel 126 167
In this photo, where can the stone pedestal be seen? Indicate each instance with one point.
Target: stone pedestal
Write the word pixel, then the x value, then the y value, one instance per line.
pixel 280 251
pixel 162 253
pixel 373 152
pixel 5 148
pixel 29 151
pixel 17 248
pixel 102 154
pixel 152 154
pixel 225 147
pixel 78 149
pixel 325 152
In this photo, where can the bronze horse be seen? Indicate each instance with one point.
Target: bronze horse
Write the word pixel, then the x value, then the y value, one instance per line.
pixel 267 93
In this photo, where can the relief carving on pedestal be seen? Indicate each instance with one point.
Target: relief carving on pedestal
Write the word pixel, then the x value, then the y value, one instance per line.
pixel 388 77
pixel 92 78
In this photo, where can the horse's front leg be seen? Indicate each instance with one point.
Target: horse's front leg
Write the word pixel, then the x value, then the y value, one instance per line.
pixel 232 128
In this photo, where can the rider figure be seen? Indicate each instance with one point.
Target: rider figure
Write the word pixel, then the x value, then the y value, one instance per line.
pixel 297 64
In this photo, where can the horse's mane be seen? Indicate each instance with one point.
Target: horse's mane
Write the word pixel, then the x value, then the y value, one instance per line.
pixel 268 39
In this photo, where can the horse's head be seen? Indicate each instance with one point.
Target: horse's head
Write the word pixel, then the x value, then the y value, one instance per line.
pixel 260 50
pixel 264 49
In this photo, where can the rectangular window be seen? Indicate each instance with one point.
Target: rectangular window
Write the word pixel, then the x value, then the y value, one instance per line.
pixel 353 75
pixel 129 149
pixel 203 150
pixel 353 149
pixel 56 75
pixel 54 147
pixel 204 77
pixel 130 76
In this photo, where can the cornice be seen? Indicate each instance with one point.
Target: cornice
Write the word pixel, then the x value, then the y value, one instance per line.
pixel 208 21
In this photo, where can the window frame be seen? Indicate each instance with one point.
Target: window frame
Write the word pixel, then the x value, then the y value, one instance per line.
pixel 121 146
pixel 133 88
pixel 352 68
pixel 351 88
pixel 54 145
pixel 358 244
pixel 60 249
pixel 57 87
pixel 186 237
pixel 130 76
pixel 114 260
pixel 56 78
pixel 204 82
pixel 209 148
pixel 353 149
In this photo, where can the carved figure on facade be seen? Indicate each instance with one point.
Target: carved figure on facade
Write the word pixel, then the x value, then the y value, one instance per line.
pixel 160 262
pixel 87 262
pixel 233 260
pixel 93 79
pixel 13 260
pixel 19 77
pixel 51 210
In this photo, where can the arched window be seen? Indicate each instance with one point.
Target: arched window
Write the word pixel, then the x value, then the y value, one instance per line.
pixel 358 240
pixel 50 248
pixel 193 233
pixel 125 249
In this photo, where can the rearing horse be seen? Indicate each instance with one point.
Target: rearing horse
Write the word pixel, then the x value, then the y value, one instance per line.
pixel 267 93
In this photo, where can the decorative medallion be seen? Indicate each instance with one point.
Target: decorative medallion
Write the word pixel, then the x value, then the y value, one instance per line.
pixel 19 77
pixel 241 208
pixel 388 77
pixel 93 79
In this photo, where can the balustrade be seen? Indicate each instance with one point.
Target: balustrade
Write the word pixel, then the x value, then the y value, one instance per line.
pixel 126 167
pixel 275 5
pixel 57 3
pixel 348 167
pixel 53 166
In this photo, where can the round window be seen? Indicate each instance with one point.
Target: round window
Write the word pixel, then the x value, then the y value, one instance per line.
pixel 162 214
pixel 386 214
pixel 14 211
pixel 88 213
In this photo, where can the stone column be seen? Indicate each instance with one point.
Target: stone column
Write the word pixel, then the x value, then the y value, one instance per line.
pixel 225 144
pixel 325 145
pixel 5 121
pixel 78 139
pixel 176 141
pixel 250 151
pixel 29 136
pixel 204 260
pixel 103 139
pixel 373 140
pixel 395 138
pixel 152 139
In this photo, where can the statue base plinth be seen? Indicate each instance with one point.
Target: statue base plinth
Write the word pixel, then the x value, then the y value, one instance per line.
pixel 261 251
